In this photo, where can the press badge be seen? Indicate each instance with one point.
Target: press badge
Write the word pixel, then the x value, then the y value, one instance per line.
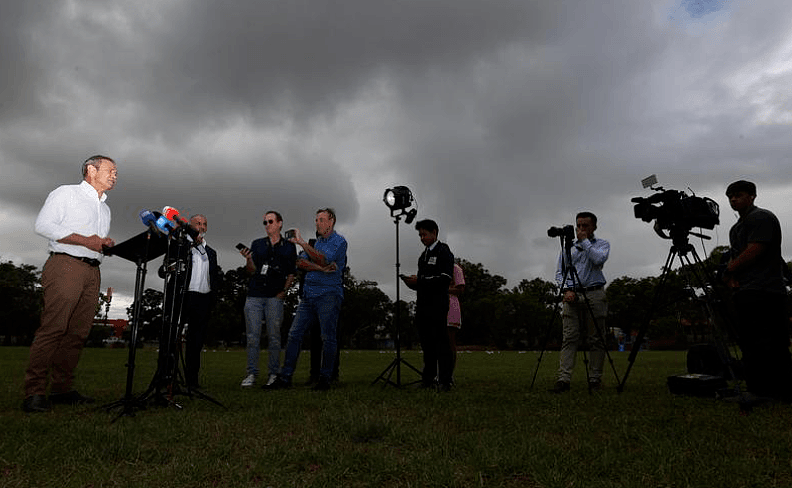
pixel 264 268
pixel 432 260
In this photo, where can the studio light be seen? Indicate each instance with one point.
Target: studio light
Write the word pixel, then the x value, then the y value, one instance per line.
pixel 398 198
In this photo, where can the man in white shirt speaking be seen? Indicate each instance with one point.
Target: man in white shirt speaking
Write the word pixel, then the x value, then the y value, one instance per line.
pixel 76 220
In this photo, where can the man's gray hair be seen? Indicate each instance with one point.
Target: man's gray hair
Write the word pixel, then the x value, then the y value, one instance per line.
pixel 96 162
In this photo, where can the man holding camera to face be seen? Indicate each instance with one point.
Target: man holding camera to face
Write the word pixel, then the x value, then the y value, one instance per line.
pixel 583 281
pixel 323 293
pixel 271 261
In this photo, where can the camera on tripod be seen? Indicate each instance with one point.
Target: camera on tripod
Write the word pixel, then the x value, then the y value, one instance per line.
pixel 567 232
pixel 676 210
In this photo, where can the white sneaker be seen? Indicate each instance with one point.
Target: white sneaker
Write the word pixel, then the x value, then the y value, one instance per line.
pixel 248 381
pixel 272 378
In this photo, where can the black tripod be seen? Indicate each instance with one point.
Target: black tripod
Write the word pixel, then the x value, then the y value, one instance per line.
pixel 395 365
pixel 569 272
pixel 168 380
pixel 139 249
pixel 695 274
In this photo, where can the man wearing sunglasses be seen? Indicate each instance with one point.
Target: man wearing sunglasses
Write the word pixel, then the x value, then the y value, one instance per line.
pixel 271 261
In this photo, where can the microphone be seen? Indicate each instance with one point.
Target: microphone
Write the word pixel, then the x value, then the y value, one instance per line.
pixel 150 221
pixel 173 214
pixel 164 224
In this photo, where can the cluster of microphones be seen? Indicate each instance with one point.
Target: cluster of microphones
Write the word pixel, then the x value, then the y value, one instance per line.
pixel 166 222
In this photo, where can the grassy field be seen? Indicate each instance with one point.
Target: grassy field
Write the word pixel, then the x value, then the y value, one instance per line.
pixel 492 430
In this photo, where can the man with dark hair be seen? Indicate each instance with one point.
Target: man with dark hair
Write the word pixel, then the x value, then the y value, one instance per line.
pixel 435 273
pixel 271 262
pixel 323 293
pixel 202 285
pixel 755 273
pixel 583 281
pixel 76 220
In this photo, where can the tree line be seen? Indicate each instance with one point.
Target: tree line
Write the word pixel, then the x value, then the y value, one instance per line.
pixel 493 316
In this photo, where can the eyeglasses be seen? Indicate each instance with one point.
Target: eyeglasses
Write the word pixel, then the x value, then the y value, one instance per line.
pixel 269 222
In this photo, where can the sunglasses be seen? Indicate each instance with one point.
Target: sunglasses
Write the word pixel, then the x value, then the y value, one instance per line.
pixel 269 222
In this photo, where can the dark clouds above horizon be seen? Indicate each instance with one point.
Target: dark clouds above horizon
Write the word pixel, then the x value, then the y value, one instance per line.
pixel 504 118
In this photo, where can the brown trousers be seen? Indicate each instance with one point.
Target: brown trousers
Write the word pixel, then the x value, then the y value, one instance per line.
pixel 71 294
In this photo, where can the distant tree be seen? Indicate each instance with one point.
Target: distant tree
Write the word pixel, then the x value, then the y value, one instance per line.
pixel 150 319
pixel 227 320
pixel 480 304
pixel 20 302
pixel 528 312
pixel 365 311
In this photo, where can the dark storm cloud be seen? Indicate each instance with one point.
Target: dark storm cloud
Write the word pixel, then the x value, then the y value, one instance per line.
pixel 503 118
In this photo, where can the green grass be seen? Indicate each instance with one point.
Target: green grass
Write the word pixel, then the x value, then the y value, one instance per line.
pixel 492 430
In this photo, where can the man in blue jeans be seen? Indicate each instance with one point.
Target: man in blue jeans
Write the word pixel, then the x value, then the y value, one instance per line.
pixel 323 292
pixel 271 261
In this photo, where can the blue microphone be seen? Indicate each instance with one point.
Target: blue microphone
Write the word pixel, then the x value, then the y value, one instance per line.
pixel 164 224
pixel 150 221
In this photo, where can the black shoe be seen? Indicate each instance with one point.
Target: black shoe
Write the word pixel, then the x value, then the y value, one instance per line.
pixel 36 404
pixel 280 383
pixel 445 387
pixel 560 387
pixel 70 398
pixel 322 385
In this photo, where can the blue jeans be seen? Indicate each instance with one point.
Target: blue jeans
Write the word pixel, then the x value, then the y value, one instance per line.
pixel 257 308
pixel 325 310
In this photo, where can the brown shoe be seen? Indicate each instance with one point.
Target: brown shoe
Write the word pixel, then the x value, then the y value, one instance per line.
pixel 36 404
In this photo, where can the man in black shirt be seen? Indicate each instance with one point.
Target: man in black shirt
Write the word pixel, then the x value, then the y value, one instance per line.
pixel 755 272
pixel 271 261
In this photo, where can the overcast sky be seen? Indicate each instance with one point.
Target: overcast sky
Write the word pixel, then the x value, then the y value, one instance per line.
pixel 504 118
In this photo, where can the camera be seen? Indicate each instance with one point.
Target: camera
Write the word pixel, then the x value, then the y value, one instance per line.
pixel 290 234
pixel 676 210
pixel 567 232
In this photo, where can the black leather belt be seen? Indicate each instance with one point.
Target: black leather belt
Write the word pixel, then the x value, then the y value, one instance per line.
pixel 89 261
pixel 584 289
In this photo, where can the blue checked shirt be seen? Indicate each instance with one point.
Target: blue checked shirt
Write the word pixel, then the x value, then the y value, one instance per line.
pixel 588 258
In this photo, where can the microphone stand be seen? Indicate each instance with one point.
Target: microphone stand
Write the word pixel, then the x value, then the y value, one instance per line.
pixel 139 249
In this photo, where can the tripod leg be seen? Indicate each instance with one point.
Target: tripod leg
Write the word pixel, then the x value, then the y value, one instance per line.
pixel 548 331
pixel 636 347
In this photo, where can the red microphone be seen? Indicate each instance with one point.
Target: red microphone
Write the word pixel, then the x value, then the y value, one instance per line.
pixel 171 213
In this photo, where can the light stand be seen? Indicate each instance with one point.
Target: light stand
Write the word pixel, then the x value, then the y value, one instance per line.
pixel 398 199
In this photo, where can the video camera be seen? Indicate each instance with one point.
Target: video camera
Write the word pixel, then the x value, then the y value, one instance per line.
pixel 676 211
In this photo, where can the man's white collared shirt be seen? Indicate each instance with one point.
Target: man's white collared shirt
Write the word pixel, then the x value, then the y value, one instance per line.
pixel 73 209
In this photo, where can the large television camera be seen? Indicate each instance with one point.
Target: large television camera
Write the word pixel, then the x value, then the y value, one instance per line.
pixel 676 211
